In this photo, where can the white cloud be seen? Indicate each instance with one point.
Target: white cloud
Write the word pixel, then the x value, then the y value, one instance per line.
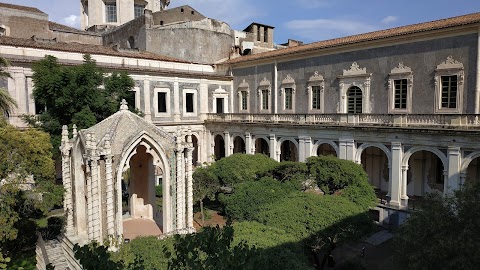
pixel 389 19
pixel 72 20
pixel 236 13
pixel 322 29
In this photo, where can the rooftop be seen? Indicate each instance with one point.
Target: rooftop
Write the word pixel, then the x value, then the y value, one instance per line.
pixel 23 8
pixel 376 35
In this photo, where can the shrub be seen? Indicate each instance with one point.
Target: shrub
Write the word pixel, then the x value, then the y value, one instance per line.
pixel 159 190
pixel 304 215
pixel 239 168
pixel 289 171
pixel 276 249
pixel 249 196
pixel 343 177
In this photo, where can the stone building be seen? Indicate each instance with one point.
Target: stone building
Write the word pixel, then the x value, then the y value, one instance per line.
pixel 403 102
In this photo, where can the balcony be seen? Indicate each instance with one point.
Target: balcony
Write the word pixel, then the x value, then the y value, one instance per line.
pixel 437 121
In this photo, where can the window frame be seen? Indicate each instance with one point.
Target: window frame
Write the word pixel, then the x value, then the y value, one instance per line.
pixel 184 101
pixel 288 83
pixel 355 99
pixel 136 8
pixel 316 80
pixel 243 88
pixel 355 76
pixel 449 67
pixel 106 5
pixel 220 93
pixel 264 92
pixel 400 72
pixel 167 92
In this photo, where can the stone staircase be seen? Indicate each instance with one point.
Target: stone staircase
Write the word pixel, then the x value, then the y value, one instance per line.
pixel 50 252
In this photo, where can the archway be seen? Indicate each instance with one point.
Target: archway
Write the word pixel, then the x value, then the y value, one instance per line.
pixel 473 172
pixel 262 146
pixel 288 151
pixel 326 149
pixel 219 149
pixel 375 163
pixel 238 145
pixel 195 150
pixel 425 173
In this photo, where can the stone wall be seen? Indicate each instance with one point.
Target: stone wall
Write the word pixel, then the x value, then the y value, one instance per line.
pixel 422 57
pixel 24 24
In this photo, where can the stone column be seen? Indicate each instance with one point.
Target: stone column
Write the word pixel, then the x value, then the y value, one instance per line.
pixel 396 173
pixel 248 143
pixel 453 182
pixel 147 100
pixel 301 148
pixel 228 144
pixel 308 147
pixel 67 181
pixel 189 182
pixel 347 149
pixel 403 192
pixel 89 202
pixel 96 213
pixel 180 205
pixel 176 101
pixel 110 193
pixel 273 147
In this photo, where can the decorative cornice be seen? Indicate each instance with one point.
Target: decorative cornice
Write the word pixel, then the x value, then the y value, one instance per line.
pixel 401 69
pixel 316 78
pixel 450 63
pixel 244 85
pixel 288 80
pixel 355 70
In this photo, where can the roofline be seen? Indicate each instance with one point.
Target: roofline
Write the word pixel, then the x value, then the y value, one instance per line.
pixel 258 24
pixel 347 41
pixel 22 8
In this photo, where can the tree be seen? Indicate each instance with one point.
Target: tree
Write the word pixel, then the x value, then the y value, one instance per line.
pixel 7 103
pixel 81 95
pixel 443 233
pixel 205 185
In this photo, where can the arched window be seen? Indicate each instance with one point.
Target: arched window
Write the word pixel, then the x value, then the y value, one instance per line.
pixel 354 95
pixel 131 42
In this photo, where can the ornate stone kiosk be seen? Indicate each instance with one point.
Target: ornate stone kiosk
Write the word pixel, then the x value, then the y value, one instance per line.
pixel 109 178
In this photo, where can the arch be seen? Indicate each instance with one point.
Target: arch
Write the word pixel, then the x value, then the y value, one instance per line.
pixel 239 145
pixel 413 150
pixel 131 42
pixel 158 153
pixel 470 169
pixel 424 174
pixel 262 145
pixel 320 142
pixel 375 159
pixel 287 153
pixel 219 146
pixel 354 99
pixel 361 148
pixel 468 159
pixel 195 150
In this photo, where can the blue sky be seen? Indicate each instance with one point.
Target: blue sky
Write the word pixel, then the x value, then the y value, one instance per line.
pixel 305 20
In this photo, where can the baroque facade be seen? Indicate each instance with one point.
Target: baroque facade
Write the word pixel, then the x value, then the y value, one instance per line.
pixel 403 102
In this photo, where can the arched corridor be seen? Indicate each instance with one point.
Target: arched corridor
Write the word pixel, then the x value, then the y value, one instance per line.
pixel 239 145
pixel 425 174
pixel 219 147
pixel 473 173
pixel 375 163
pixel 326 149
pixel 288 151
pixel 262 147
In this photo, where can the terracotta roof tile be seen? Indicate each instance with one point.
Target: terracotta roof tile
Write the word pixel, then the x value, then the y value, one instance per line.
pixel 24 8
pixel 84 49
pixel 377 35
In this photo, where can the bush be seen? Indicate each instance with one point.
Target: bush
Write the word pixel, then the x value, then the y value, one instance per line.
pixel 276 249
pixel 149 250
pixel 304 215
pixel 239 168
pixel 249 196
pixel 343 177
pixel 289 171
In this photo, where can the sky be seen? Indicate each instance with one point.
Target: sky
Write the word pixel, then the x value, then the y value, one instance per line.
pixel 304 20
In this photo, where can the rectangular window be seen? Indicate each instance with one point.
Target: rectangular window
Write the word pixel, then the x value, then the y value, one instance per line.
pixel 316 97
pixel 111 12
pixel 258 33
pixel 219 105
pixel 449 92
pixel 264 99
pixel 265 34
pixel 162 102
pixel 400 93
pixel 189 102
pixel 138 10
pixel 244 100
pixel 288 98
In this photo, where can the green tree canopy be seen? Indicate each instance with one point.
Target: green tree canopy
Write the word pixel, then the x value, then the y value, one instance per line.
pixel 443 234
pixel 81 95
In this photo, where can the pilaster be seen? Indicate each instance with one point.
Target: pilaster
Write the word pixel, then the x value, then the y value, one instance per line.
pixel 273 147
pixel 176 101
pixel 110 193
pixel 67 181
pixel 403 191
pixel 397 175
pixel 453 173
pixel 248 143
pixel 180 205
pixel 347 149
pixel 228 144
pixel 308 147
pixel 301 148
pixel 147 100
pixel 189 177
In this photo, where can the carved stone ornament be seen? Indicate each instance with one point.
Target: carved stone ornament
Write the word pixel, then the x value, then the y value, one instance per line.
pixel 243 85
pixel 450 63
pixel 355 70
pixel 315 78
pixel 288 80
pixel 401 69
pixel 264 85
